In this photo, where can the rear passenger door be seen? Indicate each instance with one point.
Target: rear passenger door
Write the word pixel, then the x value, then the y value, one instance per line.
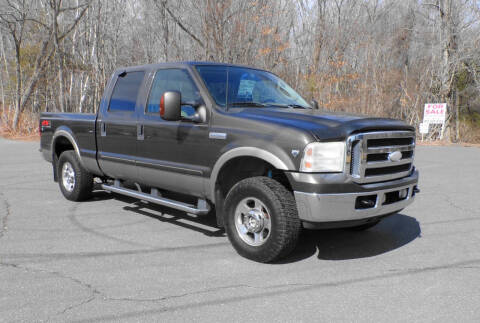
pixel 171 154
pixel 118 127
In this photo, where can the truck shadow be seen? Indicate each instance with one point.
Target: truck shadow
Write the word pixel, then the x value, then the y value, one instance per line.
pixel 342 244
pixel 100 195
pixel 206 224
pixel 333 244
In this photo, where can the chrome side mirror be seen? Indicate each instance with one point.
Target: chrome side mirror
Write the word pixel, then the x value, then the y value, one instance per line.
pixel 201 115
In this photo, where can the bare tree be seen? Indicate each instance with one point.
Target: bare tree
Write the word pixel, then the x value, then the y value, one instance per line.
pixel 13 19
pixel 379 57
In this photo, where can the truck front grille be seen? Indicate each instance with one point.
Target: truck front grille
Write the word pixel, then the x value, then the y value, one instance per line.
pixel 380 156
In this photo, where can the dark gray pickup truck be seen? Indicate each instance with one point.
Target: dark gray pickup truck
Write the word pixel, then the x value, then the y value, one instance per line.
pixel 239 141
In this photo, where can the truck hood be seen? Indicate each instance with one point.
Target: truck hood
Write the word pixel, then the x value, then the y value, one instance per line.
pixel 324 125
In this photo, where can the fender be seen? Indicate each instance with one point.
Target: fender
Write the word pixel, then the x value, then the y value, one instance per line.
pixel 242 152
pixel 64 131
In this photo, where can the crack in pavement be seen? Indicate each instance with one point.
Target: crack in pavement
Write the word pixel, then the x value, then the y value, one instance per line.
pixel 166 298
pixel 93 291
pixel 271 293
pixel 272 290
pixel 80 304
pixel 4 219
pixel 454 205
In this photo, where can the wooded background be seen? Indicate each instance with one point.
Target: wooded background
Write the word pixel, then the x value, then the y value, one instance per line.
pixel 377 57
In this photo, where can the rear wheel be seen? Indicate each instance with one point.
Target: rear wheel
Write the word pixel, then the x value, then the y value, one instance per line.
pixel 261 219
pixel 75 182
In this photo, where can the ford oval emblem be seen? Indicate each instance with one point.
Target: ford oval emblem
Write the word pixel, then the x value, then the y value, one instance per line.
pixel 395 156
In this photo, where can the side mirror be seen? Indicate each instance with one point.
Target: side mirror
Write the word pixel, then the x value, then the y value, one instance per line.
pixel 171 106
pixel 201 115
pixel 314 104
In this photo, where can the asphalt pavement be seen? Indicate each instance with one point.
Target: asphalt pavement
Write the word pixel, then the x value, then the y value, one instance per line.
pixel 116 259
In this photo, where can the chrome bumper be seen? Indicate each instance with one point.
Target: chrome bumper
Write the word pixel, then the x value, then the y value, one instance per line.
pixel 313 207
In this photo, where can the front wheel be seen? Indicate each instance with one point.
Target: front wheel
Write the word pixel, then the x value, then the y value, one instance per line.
pixel 261 219
pixel 75 182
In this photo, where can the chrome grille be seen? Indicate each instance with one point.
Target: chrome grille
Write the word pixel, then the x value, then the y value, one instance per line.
pixel 369 155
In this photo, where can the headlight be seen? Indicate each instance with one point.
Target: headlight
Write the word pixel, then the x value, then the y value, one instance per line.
pixel 323 157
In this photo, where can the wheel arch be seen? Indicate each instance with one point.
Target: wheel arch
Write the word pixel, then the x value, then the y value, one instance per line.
pixel 63 139
pixel 246 162
pixel 243 152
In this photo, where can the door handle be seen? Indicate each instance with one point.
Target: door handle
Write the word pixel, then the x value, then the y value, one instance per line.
pixel 103 129
pixel 140 134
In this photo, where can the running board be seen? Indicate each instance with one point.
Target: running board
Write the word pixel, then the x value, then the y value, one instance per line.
pixel 201 208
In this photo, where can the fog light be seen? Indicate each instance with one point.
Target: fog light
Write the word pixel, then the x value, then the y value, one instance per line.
pixel 366 202
pixel 402 194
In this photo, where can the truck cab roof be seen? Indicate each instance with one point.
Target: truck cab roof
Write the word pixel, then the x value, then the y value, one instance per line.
pixel 184 63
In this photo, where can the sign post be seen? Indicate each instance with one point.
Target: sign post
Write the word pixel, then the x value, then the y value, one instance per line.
pixel 424 128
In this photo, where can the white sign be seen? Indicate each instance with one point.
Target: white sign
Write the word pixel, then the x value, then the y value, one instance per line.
pixel 435 113
pixel 424 127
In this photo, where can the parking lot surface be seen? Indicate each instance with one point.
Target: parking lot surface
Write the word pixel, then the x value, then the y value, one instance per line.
pixel 117 259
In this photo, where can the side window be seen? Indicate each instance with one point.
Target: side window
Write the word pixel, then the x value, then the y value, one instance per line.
pixel 173 80
pixel 125 92
pixel 215 78
pixel 245 88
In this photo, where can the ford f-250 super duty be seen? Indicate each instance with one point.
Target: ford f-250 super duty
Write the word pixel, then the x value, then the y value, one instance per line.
pixel 239 141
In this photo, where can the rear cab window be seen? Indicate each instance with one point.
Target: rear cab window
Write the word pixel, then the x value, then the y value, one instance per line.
pixel 125 93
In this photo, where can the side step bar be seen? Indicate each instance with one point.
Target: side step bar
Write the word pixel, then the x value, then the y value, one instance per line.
pixel 201 208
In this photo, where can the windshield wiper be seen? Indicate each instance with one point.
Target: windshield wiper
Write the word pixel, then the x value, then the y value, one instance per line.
pixel 293 106
pixel 297 106
pixel 247 104
pixel 262 105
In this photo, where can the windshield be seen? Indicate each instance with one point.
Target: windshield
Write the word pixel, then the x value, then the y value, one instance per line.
pixel 246 87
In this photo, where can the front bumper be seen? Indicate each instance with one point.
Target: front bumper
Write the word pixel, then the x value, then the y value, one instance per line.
pixel 339 207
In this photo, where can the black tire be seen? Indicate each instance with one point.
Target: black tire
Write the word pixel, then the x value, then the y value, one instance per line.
pixel 365 226
pixel 81 188
pixel 284 224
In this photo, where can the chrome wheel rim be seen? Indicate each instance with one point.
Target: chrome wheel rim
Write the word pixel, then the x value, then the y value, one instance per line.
pixel 68 176
pixel 253 221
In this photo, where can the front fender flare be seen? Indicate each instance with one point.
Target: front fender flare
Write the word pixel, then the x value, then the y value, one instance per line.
pixel 244 152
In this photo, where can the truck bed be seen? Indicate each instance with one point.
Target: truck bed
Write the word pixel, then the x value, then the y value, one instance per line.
pixel 81 126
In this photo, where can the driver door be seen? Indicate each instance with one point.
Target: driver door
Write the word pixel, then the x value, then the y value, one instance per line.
pixel 171 154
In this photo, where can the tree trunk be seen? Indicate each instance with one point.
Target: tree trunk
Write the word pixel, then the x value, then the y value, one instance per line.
pixel 40 63
pixel 18 73
pixel 83 93
pixel 449 53
pixel 319 31
pixel 2 116
pixel 59 56
pixel 457 116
